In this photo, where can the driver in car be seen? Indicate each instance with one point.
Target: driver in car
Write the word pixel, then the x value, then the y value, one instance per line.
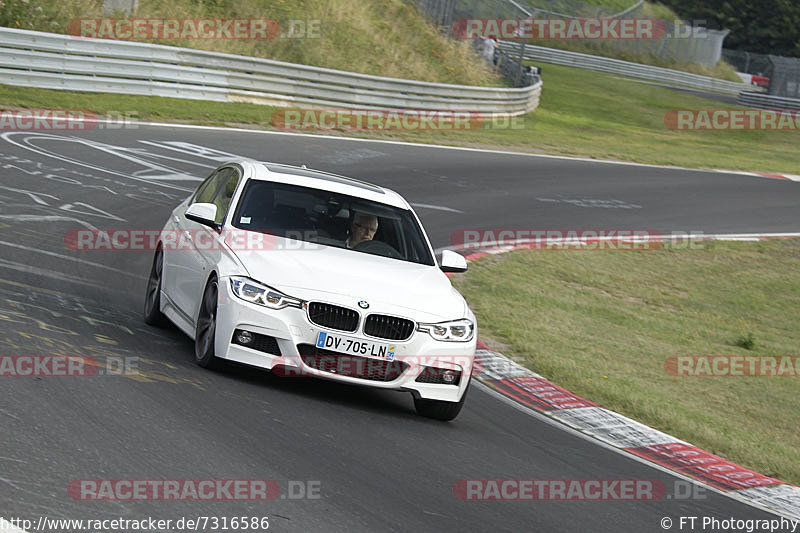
pixel 362 228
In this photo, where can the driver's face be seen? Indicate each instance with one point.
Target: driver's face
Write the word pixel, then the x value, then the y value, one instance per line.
pixel 363 229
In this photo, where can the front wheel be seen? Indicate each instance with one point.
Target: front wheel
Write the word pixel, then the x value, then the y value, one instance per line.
pixel 152 301
pixel 205 332
pixel 439 409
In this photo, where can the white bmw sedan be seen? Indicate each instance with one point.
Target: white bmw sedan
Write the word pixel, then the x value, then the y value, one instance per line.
pixel 308 273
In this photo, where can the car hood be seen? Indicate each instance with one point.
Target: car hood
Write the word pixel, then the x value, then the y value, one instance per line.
pixel 345 277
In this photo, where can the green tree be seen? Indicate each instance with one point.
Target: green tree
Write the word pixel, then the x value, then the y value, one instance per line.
pixel 762 26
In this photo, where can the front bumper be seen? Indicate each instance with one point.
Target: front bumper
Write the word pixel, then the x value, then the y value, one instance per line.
pixel 291 328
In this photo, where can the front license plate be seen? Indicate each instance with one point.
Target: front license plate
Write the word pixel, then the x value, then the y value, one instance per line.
pixel 350 346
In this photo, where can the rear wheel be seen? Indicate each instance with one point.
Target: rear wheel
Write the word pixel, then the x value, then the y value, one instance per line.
pixel 438 409
pixel 152 301
pixel 205 332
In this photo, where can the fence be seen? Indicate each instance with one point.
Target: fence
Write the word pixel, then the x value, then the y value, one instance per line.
pixel 627 68
pixel 53 61
pixel 748 62
pixel 681 42
pixel 783 72
pixel 785 77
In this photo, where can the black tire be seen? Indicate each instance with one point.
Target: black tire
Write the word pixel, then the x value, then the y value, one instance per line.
pixel 205 331
pixel 438 409
pixel 152 300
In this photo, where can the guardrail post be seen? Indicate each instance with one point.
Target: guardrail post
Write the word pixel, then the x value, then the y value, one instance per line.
pixel 520 60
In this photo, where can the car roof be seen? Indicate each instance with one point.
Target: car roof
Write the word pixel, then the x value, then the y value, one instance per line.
pixel 318 179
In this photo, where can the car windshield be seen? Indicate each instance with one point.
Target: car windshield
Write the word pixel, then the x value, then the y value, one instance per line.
pixel 331 219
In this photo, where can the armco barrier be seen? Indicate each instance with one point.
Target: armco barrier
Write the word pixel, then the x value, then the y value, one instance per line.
pixel 627 68
pixel 54 61
pixel 766 101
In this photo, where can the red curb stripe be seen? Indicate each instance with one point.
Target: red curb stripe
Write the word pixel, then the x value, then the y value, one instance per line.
pixel 538 393
pixel 704 466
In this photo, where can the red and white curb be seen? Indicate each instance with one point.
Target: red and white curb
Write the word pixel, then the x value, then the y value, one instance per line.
pixel 532 391
pixel 790 177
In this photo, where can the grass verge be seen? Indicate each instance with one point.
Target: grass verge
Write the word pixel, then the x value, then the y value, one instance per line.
pixel 602 325
pixel 381 37
pixel 581 113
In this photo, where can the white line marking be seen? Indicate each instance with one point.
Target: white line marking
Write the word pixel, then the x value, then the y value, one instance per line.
pixel 437 207
pixel 70 258
pixel 123 153
pixel 21 267
pixel 47 218
pixel 195 150
pixel 3 411
pixel 442 147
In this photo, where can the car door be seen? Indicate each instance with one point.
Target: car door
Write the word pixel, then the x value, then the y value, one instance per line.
pixel 181 260
pixel 205 255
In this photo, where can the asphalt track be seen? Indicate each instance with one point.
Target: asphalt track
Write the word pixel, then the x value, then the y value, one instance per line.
pixel 378 465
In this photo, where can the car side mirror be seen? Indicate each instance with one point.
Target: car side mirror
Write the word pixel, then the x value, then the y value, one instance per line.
pixel 453 262
pixel 203 214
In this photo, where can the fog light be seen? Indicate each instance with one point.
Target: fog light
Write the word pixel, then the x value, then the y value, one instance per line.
pixel 448 376
pixel 244 337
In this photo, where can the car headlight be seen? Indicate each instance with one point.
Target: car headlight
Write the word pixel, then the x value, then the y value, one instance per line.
pixel 454 330
pixel 257 293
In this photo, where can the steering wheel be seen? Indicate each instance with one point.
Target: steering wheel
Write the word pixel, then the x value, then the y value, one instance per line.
pixel 377 248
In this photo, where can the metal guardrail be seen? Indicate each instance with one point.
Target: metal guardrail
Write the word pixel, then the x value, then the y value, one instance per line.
pixel 627 68
pixel 766 101
pixel 54 61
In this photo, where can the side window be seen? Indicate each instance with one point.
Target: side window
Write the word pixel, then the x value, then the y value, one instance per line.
pixel 225 194
pixel 206 191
